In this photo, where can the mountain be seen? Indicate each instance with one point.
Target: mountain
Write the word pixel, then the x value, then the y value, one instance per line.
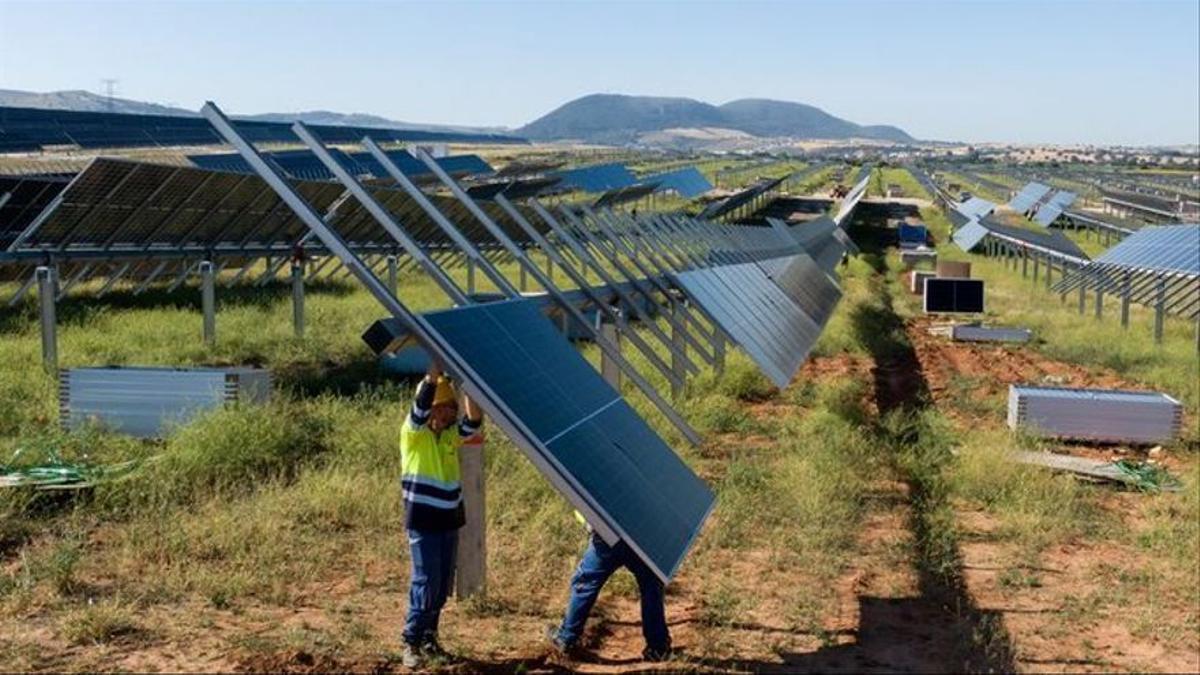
pixel 87 101
pixel 77 99
pixel 616 118
pixel 607 118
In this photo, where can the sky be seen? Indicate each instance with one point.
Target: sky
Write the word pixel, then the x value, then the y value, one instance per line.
pixel 1015 71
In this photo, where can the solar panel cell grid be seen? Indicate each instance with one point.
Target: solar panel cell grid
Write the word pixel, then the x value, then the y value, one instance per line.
pixel 600 443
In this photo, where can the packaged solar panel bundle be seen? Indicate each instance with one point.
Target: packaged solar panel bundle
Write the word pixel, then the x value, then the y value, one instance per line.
pixel 1110 416
pixel 148 402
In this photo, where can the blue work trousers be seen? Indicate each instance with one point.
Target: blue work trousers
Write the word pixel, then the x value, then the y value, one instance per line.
pixel 433 556
pixel 599 563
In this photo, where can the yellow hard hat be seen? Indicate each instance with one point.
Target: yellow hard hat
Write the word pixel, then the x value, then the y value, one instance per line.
pixel 444 393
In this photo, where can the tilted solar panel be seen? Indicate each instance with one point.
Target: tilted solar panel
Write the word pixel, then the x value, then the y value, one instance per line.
pixel 975 207
pixel 1047 214
pixel 970 235
pixel 1029 195
pixel 651 498
pixel 1062 198
pixel 598 178
pixel 1165 248
pixel 688 182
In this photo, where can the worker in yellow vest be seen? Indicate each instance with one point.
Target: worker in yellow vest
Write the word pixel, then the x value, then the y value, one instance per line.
pixel 429 441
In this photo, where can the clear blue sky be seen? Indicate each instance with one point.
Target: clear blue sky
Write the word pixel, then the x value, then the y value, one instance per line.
pixel 1064 72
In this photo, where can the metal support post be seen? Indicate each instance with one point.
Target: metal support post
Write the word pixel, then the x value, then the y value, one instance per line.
pixel 1160 310
pixel 298 298
pixel 47 280
pixel 1099 302
pixel 208 301
pixel 678 355
pixel 1125 293
pixel 470 276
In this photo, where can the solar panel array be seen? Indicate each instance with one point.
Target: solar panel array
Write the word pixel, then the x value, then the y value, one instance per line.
pixel 737 200
pixel 1166 248
pixel 974 232
pixel 1157 266
pixel 31 129
pixel 770 289
pixel 688 182
pixel 304 165
pixel 122 208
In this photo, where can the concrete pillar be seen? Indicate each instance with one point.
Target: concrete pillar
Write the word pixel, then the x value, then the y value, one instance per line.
pixel 608 366
pixel 393 273
pixel 470 579
pixel 298 298
pixel 47 281
pixel 208 301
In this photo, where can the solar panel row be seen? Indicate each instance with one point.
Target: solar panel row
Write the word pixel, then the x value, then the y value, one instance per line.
pixel 304 165
pixel 120 207
pixel 30 129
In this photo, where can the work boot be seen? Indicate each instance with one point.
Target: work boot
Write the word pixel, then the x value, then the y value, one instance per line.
pixel 412 657
pixel 558 645
pixel 432 649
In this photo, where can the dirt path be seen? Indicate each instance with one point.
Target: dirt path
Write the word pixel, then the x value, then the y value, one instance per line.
pixel 1058 606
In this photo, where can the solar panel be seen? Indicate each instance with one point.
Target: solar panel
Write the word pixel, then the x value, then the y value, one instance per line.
pixel 688 182
pixel 1062 198
pixel 1029 195
pixel 1047 214
pixel 512 189
pixel 970 235
pixel 954 296
pixel 766 317
pixel 975 207
pixel 1166 248
pixel 27 196
pixel 1052 241
pixel 654 501
pixel 597 178
pixel 625 194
